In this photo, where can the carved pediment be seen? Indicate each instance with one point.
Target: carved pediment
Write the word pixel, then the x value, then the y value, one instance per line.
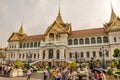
pixel 17 37
pixel 13 37
pixel 50 45
pixel 113 26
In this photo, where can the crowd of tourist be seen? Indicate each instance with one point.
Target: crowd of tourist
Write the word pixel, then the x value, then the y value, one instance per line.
pixel 63 73
pixel 5 70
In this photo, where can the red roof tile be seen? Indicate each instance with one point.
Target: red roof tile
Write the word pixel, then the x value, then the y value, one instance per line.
pixel 88 31
pixel 35 37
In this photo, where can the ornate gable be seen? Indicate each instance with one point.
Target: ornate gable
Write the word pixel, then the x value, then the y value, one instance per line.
pixel 13 37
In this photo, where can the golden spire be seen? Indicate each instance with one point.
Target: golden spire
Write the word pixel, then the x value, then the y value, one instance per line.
pixel 113 15
pixel 21 30
pixel 59 17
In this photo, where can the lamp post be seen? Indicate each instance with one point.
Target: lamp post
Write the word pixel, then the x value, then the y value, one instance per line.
pixel 92 63
pixel 29 56
pixel 103 51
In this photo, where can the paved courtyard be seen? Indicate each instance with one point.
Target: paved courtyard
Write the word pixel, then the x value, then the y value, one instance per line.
pixel 35 76
pixel 17 78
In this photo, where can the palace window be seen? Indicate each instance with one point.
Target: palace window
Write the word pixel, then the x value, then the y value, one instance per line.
pixel 23 45
pixel 50 53
pixel 19 55
pixel 43 54
pixel 27 45
pixel 105 39
pixel 94 54
pixel 93 40
pixel 70 42
pixel 81 41
pixel 64 53
pixel 51 36
pixel 34 55
pixel 23 56
pixel 87 41
pixel 35 44
pixel 115 40
pixel 107 54
pixel 75 41
pixel 58 54
pixel 99 40
pixel 100 53
pixel 38 55
pixel 82 55
pixel 20 45
pixel 88 54
pixel 70 55
pixel 31 44
pixel 38 44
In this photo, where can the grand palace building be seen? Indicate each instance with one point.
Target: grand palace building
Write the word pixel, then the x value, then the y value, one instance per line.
pixel 60 44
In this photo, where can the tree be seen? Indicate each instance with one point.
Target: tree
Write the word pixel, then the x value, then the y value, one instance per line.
pixel 73 65
pixel 116 53
pixel 19 64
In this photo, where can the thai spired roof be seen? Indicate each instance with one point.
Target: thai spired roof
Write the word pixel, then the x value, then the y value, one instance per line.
pixel 21 30
pixel 88 31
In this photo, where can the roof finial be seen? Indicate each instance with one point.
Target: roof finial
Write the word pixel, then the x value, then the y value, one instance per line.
pixel 59 17
pixel 21 30
pixel 113 15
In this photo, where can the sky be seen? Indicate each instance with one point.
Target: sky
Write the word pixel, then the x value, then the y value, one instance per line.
pixel 37 15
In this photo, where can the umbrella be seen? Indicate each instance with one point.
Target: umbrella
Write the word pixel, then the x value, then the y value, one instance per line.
pixel 98 70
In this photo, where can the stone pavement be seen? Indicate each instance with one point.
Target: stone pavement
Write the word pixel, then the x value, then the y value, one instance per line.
pixel 35 76
pixel 17 78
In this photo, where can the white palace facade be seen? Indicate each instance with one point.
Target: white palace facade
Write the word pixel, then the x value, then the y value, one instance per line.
pixel 60 44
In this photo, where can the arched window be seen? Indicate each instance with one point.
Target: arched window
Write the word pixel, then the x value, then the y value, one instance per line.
pixel 35 44
pixel 94 54
pixel 105 39
pixel 87 41
pixel 31 44
pixel 93 40
pixel 70 55
pixel 100 54
pixel 51 36
pixel 58 54
pixel 75 41
pixel 19 55
pixel 34 55
pixel 20 45
pixel 70 42
pixel 99 40
pixel 81 54
pixel 50 53
pixel 38 44
pixel 27 45
pixel 64 53
pixel 43 54
pixel 81 41
pixel 38 55
pixel 23 45
pixel 107 54
pixel 87 54
pixel 23 56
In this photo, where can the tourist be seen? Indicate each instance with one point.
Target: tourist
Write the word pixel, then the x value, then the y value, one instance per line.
pixel 29 74
pixel 45 75
pixel 58 75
